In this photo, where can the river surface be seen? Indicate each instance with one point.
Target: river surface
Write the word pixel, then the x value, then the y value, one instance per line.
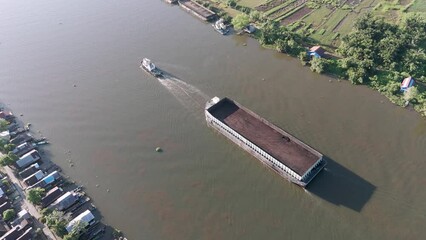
pixel 71 68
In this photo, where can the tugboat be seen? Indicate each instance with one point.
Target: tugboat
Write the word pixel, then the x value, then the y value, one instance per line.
pixel 221 27
pixel 150 67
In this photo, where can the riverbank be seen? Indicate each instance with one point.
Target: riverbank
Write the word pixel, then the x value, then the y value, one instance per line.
pixel 374 64
pixel 50 205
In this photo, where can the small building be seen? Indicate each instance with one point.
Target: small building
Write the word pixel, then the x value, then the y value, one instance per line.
pixel 27 235
pixel 51 196
pixel 407 83
pixel 13 127
pixel 7 115
pixel 29 170
pixel 28 159
pixel 22 149
pixel 47 181
pixel 86 217
pixel 249 29
pixel 316 51
pixel 12 234
pixel 3 229
pixel 66 201
pixel 21 138
pixel 34 178
pixel 21 216
pixel 3 197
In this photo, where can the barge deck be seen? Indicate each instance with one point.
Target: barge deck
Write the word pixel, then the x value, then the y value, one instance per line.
pixel 281 151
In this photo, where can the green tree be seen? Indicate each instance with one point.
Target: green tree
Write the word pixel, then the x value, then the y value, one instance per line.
pixel 59 228
pixel 9 147
pixel 414 27
pixel 8 215
pixel 70 237
pixel 8 159
pixel 35 195
pixel 240 21
pixel 411 93
pixel 303 57
pixel 255 16
pixel 318 65
pixel 357 75
pixel 3 125
pixel 57 221
pixel 78 229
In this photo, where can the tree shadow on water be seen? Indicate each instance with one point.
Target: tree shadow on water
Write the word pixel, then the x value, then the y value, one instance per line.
pixel 340 186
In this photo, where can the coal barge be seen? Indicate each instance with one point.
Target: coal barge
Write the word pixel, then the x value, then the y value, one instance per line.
pixel 277 149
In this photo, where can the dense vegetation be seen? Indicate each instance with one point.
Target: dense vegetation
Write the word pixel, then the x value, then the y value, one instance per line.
pixel 374 51
pixel 35 195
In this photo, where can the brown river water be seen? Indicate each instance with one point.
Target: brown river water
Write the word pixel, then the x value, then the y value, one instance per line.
pixel 203 186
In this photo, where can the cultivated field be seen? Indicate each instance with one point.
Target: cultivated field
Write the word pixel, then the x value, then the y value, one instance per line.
pixel 326 21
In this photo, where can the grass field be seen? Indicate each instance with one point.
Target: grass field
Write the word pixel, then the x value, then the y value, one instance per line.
pixel 251 3
pixel 325 23
pixel 418 6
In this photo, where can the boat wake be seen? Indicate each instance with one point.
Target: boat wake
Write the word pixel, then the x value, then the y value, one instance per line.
pixel 189 96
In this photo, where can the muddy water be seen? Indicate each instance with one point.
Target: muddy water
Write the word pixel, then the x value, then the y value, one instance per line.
pixel 202 186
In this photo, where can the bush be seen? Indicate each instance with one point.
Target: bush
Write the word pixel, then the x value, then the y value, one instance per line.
pixel 3 125
pixel 304 57
pixel 411 94
pixel 8 159
pixel 8 215
pixel 35 195
pixel 318 65
pixel 240 21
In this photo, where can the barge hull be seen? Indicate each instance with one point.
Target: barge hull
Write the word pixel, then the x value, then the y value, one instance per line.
pixel 265 157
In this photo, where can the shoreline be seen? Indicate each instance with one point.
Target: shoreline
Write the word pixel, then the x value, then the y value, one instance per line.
pixel 20 189
pixel 384 81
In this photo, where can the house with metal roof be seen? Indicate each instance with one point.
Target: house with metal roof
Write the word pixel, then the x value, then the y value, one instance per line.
pixel 28 159
pixel 51 196
pixel 407 83
pixel 316 51
pixel 33 178
pixel 22 149
pixel 47 181
pixel 21 138
pixel 29 170
pixel 66 201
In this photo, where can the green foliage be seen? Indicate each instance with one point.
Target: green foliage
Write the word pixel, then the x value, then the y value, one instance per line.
pixel 9 147
pixel 233 4
pixel 375 44
pixel 78 229
pixel 303 57
pixel 8 159
pixel 256 16
pixel 46 211
pixel 35 195
pixel 70 237
pixel 411 94
pixel 8 215
pixel 318 65
pixel 3 125
pixel 57 221
pixel 240 21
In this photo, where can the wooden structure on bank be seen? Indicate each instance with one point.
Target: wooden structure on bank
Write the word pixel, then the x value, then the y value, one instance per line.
pixel 197 10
